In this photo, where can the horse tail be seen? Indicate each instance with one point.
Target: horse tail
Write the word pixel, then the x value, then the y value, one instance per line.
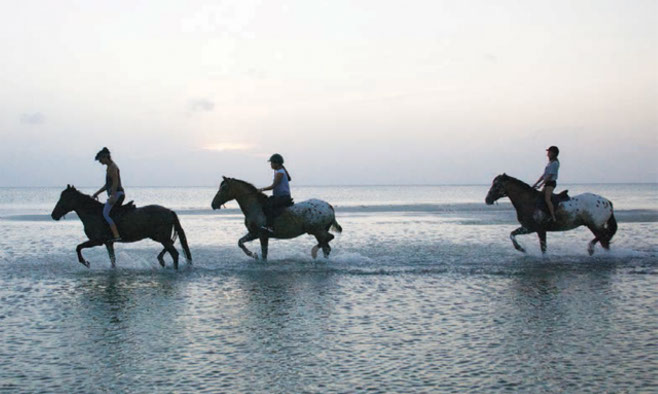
pixel 334 224
pixel 178 231
pixel 611 229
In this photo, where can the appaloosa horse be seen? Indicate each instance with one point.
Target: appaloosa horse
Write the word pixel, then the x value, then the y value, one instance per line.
pixel 585 209
pixel 134 224
pixel 314 217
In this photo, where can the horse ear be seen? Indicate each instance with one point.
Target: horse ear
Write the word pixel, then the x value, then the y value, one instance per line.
pixel 68 187
pixel 224 177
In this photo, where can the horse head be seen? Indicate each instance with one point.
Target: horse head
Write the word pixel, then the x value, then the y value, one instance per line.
pixel 497 189
pixel 66 203
pixel 224 194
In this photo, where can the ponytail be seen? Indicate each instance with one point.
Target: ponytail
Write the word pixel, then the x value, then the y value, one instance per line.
pixel 287 174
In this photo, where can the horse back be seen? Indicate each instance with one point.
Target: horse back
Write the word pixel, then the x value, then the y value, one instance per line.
pixel 591 208
pixel 309 214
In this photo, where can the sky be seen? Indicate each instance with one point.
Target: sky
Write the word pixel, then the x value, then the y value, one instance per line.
pixel 350 92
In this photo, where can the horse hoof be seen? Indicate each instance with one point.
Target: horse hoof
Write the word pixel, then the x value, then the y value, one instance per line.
pixel 85 263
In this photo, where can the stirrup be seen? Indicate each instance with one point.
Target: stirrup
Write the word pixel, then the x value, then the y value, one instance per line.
pixel 267 229
pixel 117 239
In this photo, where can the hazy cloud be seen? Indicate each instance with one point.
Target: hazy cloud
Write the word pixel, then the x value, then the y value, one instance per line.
pixel 200 105
pixel 33 118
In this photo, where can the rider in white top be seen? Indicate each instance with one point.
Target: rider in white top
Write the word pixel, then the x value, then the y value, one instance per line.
pixel 280 192
pixel 549 178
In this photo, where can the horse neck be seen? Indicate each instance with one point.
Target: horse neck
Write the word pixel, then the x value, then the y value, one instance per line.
pixel 86 208
pixel 520 195
pixel 249 204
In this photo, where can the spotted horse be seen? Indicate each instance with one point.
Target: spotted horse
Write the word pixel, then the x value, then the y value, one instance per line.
pixel 587 209
pixel 314 217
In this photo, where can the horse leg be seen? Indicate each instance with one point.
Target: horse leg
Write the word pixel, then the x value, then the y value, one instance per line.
pixel 513 234
pixel 169 247
pixel 592 243
pixel 314 251
pixel 110 252
pixel 264 243
pixel 542 241
pixel 84 245
pixel 247 238
pixel 160 257
pixel 323 242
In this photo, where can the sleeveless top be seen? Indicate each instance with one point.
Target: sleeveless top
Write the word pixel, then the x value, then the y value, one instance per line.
pixel 283 188
pixel 108 182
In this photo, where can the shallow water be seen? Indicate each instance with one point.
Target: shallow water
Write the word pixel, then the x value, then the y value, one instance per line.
pixel 423 292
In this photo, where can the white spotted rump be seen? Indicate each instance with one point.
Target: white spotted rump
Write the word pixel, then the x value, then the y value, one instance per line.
pixel 588 208
pixel 314 213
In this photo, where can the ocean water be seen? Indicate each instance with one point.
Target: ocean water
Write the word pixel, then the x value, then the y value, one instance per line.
pixel 423 292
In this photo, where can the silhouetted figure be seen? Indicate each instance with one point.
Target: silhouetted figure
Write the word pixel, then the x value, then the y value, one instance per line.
pixel 113 187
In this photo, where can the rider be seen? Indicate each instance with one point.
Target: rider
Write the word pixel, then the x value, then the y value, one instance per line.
pixel 549 178
pixel 280 191
pixel 113 188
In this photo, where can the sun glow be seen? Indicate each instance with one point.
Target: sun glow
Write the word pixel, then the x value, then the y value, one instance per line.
pixel 227 146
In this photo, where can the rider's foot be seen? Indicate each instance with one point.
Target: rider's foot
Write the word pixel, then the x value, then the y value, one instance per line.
pixel 267 229
pixel 116 239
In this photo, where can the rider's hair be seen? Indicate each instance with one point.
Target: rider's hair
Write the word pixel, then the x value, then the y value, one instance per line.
pixel 103 153
pixel 287 174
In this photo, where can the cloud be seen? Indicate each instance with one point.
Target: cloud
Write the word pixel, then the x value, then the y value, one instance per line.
pixel 201 105
pixel 33 118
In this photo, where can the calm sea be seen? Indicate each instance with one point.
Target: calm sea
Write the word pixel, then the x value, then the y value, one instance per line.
pixel 423 292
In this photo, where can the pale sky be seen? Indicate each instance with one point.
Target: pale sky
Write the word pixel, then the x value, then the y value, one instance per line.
pixel 349 92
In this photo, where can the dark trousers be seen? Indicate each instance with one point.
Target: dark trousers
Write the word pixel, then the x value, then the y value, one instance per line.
pixel 275 206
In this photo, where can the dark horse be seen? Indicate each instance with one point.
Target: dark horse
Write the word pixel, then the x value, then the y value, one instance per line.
pixel 585 209
pixel 314 217
pixel 152 221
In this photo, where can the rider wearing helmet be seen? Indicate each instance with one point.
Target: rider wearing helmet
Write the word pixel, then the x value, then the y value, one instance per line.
pixel 280 191
pixel 113 187
pixel 549 178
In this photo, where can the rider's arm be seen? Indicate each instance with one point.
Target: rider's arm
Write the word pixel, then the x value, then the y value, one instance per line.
pixel 539 182
pixel 101 190
pixel 277 179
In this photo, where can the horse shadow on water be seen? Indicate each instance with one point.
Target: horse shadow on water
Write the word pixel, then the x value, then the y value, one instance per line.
pixel 135 224
pixel 587 209
pixel 314 217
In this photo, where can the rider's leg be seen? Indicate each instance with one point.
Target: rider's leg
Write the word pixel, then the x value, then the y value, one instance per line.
pixel 548 192
pixel 106 214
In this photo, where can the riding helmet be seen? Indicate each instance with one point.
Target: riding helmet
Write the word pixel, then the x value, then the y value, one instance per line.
pixel 276 158
pixel 554 149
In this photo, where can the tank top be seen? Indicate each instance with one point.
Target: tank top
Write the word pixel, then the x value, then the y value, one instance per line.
pixel 283 188
pixel 108 182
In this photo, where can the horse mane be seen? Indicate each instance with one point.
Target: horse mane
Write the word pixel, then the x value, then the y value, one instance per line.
pixel 518 182
pixel 262 198
pixel 86 200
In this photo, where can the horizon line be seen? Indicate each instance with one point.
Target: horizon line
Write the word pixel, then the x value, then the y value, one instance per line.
pixel 342 185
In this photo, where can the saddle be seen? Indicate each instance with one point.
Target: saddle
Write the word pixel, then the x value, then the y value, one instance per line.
pixel 120 209
pixel 278 210
pixel 556 199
